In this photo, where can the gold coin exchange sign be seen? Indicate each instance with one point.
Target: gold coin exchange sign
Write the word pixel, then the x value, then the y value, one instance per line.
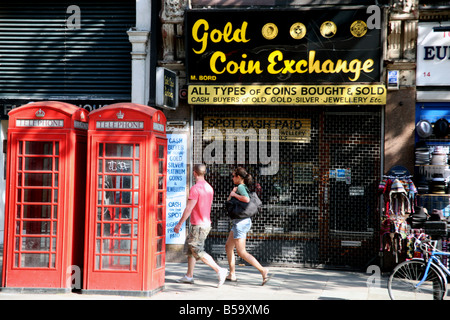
pixel 287 94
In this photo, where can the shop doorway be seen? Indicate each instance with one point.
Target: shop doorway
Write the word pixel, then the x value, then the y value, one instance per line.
pixel 319 208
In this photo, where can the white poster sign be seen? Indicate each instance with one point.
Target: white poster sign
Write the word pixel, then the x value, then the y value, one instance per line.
pixel 433 54
pixel 176 186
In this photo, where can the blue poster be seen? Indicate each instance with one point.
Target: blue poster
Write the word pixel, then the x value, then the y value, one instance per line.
pixel 176 186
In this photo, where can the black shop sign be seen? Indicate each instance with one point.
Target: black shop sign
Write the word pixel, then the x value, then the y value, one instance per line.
pixel 289 46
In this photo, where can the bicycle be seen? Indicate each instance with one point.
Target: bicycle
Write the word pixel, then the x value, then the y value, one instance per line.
pixel 420 278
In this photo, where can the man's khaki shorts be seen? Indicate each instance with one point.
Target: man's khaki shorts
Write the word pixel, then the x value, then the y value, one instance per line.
pixel 195 241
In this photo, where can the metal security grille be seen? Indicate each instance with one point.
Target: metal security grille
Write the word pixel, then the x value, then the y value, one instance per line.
pixel 319 209
pixel 42 55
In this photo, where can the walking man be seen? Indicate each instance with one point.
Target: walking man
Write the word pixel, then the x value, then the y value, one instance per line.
pixel 198 208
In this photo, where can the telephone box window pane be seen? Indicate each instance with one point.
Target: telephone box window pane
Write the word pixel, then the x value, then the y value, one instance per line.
pixel 19 163
pixel 160 230
pixel 36 211
pixel 135 213
pixel 36 227
pixel 118 150
pixel 19 209
pixel 100 166
pixel 20 147
pixel 136 198
pixel 116 246
pixel 126 214
pixel 55 178
pixel 136 151
pixel 19 179
pixel 100 182
pixel 158 261
pixel 116 262
pixel 161 151
pixel 160 182
pixel 159 245
pixel 34 260
pixel 160 198
pixel 136 166
pixel 136 182
pixel 55 195
pixel 37 195
pixel 117 197
pixel 161 167
pixel 118 182
pixel 36 244
pixel 133 266
pixel 38 179
pixel 125 229
pixel 39 147
pixel 17 243
pixel 100 150
pixel 38 164
pixel 56 148
pixel 160 213
pixel 120 166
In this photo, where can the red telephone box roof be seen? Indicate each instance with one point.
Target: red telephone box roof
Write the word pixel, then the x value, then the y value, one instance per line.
pixel 48 114
pixel 127 116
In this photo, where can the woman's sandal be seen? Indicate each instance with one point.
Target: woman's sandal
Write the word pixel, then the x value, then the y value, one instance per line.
pixel 268 276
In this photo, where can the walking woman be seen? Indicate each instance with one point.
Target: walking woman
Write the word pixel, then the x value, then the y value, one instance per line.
pixel 240 227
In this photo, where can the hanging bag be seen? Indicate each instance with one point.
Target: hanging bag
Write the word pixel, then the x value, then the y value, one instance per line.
pixel 240 210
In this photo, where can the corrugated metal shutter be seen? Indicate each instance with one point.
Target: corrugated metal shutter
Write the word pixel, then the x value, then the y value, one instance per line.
pixel 41 58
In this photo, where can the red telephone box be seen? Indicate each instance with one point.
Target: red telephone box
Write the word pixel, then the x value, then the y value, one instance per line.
pixel 125 209
pixel 46 179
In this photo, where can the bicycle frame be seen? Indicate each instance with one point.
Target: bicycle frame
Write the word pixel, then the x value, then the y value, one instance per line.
pixel 431 259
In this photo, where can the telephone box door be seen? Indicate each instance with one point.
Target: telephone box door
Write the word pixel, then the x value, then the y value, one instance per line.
pixel 38 212
pixel 116 261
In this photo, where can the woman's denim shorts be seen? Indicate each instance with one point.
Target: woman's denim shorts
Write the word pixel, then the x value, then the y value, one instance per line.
pixel 240 227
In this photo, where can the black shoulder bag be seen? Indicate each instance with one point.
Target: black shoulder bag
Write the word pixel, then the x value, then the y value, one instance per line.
pixel 239 210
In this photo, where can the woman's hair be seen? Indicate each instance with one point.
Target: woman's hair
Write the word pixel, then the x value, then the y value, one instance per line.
pixel 248 179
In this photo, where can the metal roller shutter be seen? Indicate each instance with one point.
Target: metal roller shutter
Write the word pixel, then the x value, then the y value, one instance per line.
pixel 42 58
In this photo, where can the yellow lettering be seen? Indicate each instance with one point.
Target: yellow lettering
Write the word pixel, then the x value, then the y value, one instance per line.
pixel 239 34
pixel 274 55
pixel 314 66
pixel 341 66
pixel 299 65
pixel 328 66
pixel 216 35
pixel 212 63
pixel 355 67
pixel 367 66
pixel 204 39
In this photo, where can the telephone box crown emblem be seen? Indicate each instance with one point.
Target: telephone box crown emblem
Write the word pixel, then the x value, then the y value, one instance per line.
pixel 120 115
pixel 40 113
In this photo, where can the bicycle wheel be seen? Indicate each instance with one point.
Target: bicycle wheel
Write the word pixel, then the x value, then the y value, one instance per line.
pixel 403 280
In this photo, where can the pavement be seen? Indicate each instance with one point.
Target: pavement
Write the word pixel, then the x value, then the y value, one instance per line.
pixel 287 284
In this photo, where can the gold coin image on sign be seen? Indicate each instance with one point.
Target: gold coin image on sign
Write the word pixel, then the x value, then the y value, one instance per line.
pixel 298 30
pixel 328 29
pixel 358 28
pixel 269 31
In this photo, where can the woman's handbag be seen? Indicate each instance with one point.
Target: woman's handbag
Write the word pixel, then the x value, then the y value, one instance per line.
pixel 240 210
